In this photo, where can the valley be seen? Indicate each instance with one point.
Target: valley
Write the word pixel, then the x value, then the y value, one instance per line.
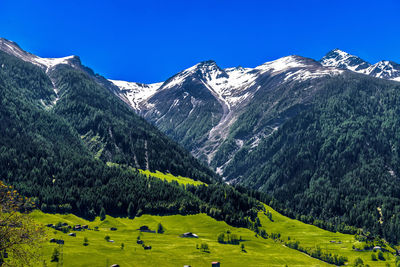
pixel 211 151
pixel 169 249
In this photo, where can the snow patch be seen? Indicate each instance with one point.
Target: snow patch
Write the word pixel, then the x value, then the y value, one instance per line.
pixel 282 64
pixel 51 62
pixel 136 92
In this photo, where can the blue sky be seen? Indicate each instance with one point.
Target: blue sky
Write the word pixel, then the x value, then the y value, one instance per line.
pixel 149 41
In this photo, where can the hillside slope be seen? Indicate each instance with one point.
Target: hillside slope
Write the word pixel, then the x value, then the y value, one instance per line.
pixel 202 107
pixel 338 160
pixel 169 249
pixel 108 127
pixel 50 150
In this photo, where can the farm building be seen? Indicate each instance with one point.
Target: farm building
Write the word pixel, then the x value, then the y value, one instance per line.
pixel 189 234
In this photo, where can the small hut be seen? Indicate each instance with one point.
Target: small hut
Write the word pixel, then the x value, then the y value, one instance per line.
pixel 190 235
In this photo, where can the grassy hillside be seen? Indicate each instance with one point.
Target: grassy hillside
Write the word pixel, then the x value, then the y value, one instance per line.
pixel 169 177
pixel 168 249
pixel 311 236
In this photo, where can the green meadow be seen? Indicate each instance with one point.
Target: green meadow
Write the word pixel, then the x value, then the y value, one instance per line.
pixel 169 249
pixel 163 176
pixel 169 177
pixel 311 236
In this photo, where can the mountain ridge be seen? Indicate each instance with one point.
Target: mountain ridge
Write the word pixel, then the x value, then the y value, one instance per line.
pixel 384 69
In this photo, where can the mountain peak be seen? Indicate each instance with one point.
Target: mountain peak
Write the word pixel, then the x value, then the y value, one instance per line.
pixel 286 63
pixel 14 49
pixel 385 69
pixel 208 65
pixel 340 59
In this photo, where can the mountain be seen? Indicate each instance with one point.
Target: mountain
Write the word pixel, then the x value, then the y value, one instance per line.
pixel 76 154
pixel 322 140
pixel 338 159
pixel 384 69
pixel 319 136
pixel 201 107
pixel 340 59
pixel 107 126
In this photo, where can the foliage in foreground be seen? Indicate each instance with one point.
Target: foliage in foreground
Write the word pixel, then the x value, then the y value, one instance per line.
pixel 20 235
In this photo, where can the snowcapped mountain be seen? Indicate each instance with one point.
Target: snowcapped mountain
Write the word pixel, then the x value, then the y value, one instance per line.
pixel 340 59
pixel 45 63
pixel 217 112
pixel 384 69
pixel 50 64
pixel 201 107
pixel 228 85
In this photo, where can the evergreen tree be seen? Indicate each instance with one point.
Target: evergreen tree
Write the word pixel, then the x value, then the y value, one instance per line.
pixel 160 228
pixel 102 214
pixel 131 210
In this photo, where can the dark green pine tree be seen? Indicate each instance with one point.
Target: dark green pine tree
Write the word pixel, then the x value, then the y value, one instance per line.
pixel 131 210
pixel 102 214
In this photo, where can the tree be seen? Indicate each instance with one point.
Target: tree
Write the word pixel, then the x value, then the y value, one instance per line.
pixel 20 236
pixel 242 247
pixel 373 257
pixel 131 210
pixel 122 245
pixel 221 238
pixel 107 238
pixel 380 256
pixel 102 214
pixel 160 228
pixel 56 255
pixel 204 247
pixel 358 262
pixel 85 241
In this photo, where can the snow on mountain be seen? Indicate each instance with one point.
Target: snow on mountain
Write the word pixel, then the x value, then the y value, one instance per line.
pixel 340 59
pixel 46 63
pixel 52 62
pixel 136 92
pixel 283 64
pixel 297 68
pixel 228 85
pixel 385 70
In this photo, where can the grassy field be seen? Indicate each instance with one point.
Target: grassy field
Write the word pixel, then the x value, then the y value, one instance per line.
pixel 169 249
pixel 163 176
pixel 169 177
pixel 311 236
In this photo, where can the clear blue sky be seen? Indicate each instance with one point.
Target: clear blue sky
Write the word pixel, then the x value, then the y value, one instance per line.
pixel 148 41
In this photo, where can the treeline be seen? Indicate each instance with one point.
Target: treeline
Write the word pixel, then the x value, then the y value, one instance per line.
pixel 234 207
pixel 318 253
